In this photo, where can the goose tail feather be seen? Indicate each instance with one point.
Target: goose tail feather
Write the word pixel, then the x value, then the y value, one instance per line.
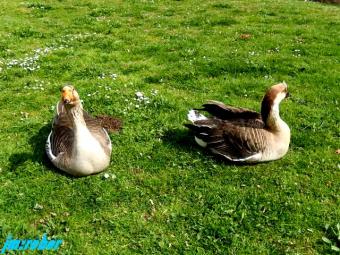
pixel 194 115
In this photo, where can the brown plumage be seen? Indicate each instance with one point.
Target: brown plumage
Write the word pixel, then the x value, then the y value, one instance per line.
pixel 239 134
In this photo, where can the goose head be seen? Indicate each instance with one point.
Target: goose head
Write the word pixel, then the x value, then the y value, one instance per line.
pixel 69 97
pixel 271 102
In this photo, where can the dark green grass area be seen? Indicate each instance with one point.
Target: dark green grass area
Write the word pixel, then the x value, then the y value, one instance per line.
pixel 164 195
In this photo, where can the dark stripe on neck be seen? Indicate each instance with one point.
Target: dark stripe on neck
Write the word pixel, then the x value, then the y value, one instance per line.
pixel 266 107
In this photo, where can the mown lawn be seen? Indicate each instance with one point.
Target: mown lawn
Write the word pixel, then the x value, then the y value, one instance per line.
pixel 164 195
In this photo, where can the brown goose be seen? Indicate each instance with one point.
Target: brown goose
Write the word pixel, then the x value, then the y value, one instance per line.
pixel 77 144
pixel 242 135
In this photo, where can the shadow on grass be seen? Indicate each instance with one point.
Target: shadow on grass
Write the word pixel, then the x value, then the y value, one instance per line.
pixel 184 140
pixel 181 139
pixel 38 154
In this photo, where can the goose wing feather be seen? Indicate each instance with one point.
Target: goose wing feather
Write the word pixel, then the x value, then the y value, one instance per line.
pixel 236 115
pixel 98 132
pixel 62 135
pixel 234 142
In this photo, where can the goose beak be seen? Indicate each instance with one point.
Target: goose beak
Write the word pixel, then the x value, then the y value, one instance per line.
pixel 67 97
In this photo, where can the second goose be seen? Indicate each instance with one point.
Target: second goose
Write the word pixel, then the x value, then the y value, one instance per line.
pixel 242 135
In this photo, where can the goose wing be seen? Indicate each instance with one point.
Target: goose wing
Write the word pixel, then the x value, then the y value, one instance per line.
pixel 233 142
pixel 97 130
pixel 62 136
pixel 239 116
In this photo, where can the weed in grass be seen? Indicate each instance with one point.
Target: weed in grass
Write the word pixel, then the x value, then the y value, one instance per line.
pixel 333 237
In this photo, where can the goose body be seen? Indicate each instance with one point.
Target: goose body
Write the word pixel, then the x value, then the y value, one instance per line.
pixel 242 135
pixel 77 144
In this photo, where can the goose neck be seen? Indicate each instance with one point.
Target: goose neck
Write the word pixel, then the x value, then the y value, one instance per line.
pixel 270 113
pixel 77 117
pixel 273 120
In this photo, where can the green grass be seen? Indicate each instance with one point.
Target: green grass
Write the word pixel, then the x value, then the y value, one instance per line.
pixel 170 197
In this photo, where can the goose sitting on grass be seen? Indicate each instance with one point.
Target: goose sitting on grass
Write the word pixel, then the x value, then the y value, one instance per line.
pixel 242 135
pixel 77 144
